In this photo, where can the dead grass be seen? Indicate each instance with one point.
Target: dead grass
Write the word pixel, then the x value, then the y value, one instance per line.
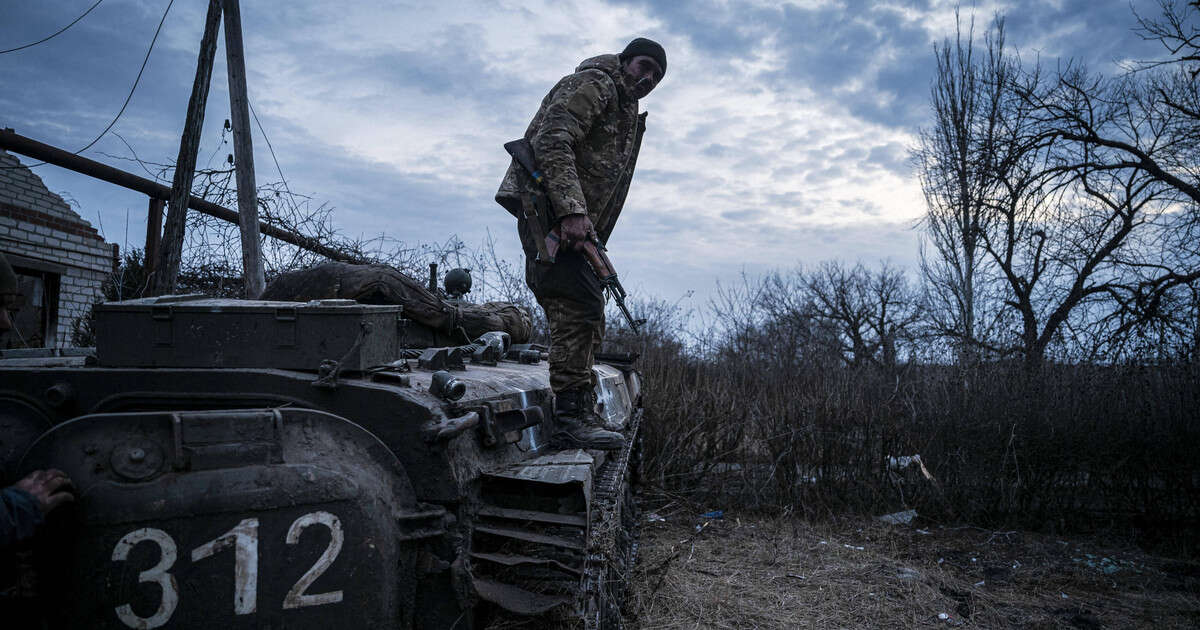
pixel 781 572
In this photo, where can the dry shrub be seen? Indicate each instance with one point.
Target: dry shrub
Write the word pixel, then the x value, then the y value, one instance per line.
pixel 753 423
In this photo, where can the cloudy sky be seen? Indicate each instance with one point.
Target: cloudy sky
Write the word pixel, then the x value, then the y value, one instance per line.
pixel 778 136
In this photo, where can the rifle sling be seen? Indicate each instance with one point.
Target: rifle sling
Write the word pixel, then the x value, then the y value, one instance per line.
pixel 536 228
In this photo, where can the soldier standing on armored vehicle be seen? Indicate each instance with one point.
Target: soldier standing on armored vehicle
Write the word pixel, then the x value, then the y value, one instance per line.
pixel 585 139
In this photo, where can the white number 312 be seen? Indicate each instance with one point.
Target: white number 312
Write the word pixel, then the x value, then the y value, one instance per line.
pixel 243 538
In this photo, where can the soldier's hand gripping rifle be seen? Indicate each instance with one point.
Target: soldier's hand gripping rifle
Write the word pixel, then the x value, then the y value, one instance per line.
pixel 597 257
pixel 537 213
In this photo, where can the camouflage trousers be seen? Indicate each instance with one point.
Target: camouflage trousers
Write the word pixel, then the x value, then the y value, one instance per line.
pixel 573 301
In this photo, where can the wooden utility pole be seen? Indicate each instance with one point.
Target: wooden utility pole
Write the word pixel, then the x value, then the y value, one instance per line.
pixel 171 247
pixel 154 216
pixel 243 152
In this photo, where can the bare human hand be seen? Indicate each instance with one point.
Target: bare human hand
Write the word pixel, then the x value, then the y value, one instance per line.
pixel 576 229
pixel 51 488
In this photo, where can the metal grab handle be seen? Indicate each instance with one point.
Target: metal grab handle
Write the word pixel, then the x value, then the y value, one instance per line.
pixel 209 440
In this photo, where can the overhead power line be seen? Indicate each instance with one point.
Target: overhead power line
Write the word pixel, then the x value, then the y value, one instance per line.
pixel 135 81
pixel 57 33
pixel 272 149
pixel 132 89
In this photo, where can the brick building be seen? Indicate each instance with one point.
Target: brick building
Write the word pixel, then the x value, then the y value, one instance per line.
pixel 60 260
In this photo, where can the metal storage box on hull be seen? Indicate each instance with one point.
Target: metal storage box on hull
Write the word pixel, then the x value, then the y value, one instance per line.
pixel 194 331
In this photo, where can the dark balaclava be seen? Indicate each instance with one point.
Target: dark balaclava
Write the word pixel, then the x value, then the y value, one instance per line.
pixel 643 46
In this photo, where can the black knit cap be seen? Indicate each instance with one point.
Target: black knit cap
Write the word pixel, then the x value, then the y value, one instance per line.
pixel 643 46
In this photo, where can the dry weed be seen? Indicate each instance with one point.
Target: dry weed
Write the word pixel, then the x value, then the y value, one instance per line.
pixel 787 573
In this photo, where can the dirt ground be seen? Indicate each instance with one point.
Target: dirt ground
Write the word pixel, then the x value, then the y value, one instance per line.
pixel 779 572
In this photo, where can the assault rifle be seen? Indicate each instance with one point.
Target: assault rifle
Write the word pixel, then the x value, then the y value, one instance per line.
pixel 537 214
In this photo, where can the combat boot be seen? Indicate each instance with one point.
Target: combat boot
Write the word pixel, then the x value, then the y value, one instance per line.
pixel 576 425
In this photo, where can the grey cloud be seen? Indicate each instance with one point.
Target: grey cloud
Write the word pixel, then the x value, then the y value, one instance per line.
pixel 868 242
pixel 896 100
pixel 826 49
pixel 892 157
pixel 803 141
pixel 663 176
pixel 835 46
pixel 786 173
pixel 717 150
pixel 1104 33
pixel 712 126
pixel 82 78
pixel 851 153
pixel 741 216
pixel 750 161
pixel 859 204
pixel 830 47
pixel 790 202
pixel 446 69
pixel 829 172
pixel 723 29
pixel 65 92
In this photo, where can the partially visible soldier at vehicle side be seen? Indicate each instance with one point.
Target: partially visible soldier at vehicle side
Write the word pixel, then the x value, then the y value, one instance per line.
pixel 24 504
pixel 8 293
pixel 585 139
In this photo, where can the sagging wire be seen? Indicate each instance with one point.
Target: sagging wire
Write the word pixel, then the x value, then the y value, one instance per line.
pixel 128 98
pixel 56 33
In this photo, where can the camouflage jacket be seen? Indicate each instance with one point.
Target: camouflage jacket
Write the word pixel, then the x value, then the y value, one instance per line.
pixel 585 138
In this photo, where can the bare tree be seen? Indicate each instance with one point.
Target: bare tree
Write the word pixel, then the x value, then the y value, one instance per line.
pixel 838 301
pixel 897 311
pixel 956 160
pixel 1072 197
pixel 1125 154
pixel 1176 29
pixel 852 313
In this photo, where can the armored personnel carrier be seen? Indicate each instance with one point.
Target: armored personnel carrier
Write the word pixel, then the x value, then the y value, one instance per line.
pixel 260 464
